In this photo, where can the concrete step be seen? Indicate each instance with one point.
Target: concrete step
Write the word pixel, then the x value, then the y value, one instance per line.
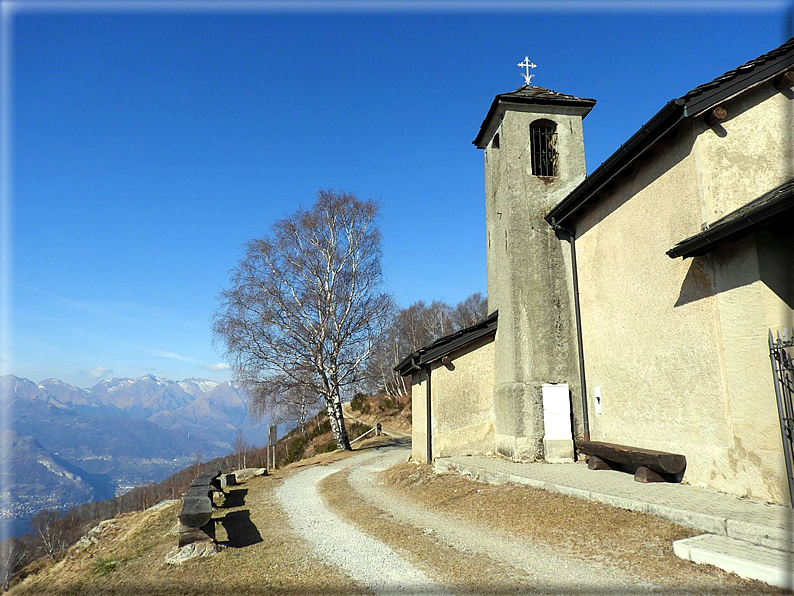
pixel 747 560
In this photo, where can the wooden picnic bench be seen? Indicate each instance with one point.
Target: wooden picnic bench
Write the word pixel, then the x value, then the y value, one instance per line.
pixel 647 465
pixel 197 505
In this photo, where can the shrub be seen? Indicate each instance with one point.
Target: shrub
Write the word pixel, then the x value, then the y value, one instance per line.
pixel 295 449
pixel 326 447
pixel 387 403
pixel 360 403
pixel 104 566
pixel 321 428
pixel 356 429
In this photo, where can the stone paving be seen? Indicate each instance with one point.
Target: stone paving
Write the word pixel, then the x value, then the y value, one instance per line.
pixel 695 507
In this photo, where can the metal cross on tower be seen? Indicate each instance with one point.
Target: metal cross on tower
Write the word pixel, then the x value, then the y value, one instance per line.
pixel 527 65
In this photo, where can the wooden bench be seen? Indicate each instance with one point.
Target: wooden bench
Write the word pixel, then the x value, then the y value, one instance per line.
pixel 646 464
pixel 197 504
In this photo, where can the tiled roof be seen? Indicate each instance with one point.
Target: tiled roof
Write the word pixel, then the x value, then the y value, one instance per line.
pixel 742 70
pixel 539 93
pixel 704 97
pixel 531 94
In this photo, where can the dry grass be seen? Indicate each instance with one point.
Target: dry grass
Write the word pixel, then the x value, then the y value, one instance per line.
pixel 637 543
pixel 263 556
pixel 398 420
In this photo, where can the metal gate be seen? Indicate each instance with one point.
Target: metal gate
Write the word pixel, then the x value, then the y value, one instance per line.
pixel 781 351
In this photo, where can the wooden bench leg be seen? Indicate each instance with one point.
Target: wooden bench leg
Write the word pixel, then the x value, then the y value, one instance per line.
pixel 596 463
pixel 644 474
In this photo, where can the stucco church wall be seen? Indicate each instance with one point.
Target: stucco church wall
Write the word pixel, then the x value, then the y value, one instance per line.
pixel 648 321
pixel 678 346
pixel 748 153
pixel 461 404
pixel 418 417
pixel 463 418
pixel 754 456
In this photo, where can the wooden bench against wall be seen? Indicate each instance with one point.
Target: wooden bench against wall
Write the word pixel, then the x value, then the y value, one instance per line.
pixel 195 517
pixel 647 465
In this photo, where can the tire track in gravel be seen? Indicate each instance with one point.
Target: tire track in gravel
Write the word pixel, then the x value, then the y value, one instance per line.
pixel 550 572
pixel 367 560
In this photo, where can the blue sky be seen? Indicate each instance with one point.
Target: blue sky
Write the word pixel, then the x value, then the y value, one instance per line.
pixel 146 147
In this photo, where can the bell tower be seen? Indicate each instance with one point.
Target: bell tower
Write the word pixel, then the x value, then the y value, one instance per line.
pixel 534 157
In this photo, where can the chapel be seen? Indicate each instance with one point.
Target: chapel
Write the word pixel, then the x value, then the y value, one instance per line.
pixel 641 305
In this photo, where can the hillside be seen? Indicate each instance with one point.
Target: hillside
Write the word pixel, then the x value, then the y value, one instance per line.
pixel 394 528
pixel 292 449
pixel 72 445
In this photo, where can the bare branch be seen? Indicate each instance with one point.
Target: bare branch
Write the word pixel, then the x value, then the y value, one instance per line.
pixel 304 312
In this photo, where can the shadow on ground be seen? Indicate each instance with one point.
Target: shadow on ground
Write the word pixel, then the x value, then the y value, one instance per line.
pixel 240 530
pixel 235 498
pixel 386 443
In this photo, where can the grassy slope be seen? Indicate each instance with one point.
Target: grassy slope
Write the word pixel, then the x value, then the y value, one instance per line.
pixel 264 556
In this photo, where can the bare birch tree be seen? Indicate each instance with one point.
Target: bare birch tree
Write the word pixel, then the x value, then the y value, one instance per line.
pixel 241 449
pixel 51 533
pixel 13 555
pixel 414 327
pixel 283 399
pixel 470 311
pixel 305 302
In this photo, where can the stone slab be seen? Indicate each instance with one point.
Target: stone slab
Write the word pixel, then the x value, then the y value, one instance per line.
pixel 248 473
pixel 750 561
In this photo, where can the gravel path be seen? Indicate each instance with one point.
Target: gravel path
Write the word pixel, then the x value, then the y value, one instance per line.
pixel 366 560
pixel 550 571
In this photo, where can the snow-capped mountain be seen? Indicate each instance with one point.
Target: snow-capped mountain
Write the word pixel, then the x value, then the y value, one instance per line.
pixel 89 443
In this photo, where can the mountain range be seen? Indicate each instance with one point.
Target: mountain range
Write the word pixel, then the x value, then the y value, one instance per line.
pixel 66 445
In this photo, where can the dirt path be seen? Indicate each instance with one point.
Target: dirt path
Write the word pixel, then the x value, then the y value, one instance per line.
pixel 367 560
pixel 540 568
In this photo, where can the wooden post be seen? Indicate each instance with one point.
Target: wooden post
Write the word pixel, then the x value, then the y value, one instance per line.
pixel 644 474
pixel 714 116
pixel 785 80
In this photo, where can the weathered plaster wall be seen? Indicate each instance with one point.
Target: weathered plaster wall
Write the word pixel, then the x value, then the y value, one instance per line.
pixel 463 418
pixel 529 276
pixel 418 424
pixel 650 342
pixel 461 404
pixel 753 460
pixel 748 153
pixel 678 346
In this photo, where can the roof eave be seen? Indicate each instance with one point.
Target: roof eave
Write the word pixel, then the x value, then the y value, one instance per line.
pixel 734 229
pixel 676 110
pixel 446 345
pixel 649 133
pixel 480 142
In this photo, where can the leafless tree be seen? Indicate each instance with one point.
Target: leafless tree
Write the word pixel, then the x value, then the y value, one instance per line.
pixel 13 556
pixel 470 311
pixel 305 302
pixel 283 399
pixel 196 466
pixel 53 535
pixel 241 448
pixel 413 327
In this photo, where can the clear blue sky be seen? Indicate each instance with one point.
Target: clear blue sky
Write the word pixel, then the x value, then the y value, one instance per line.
pixel 148 146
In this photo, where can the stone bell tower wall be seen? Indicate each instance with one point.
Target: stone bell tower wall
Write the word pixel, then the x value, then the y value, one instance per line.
pixel 529 272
